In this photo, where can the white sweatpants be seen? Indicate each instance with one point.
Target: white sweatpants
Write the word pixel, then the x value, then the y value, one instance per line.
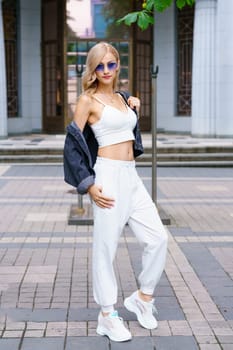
pixel 133 205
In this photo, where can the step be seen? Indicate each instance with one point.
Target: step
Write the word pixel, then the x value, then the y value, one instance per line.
pixel 170 159
pixel 168 154
pixel 191 149
pixel 46 158
pixel 30 151
pixel 163 157
pixel 162 149
pixel 201 164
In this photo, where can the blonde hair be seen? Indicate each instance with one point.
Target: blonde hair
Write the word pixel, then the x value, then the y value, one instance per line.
pixel 94 57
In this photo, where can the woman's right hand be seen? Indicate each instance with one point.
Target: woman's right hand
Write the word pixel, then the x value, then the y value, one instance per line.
pixel 95 191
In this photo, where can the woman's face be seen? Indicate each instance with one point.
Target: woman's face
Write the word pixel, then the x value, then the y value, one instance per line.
pixel 106 69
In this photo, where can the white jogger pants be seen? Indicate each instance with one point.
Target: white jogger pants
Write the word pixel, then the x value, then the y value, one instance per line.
pixel 133 205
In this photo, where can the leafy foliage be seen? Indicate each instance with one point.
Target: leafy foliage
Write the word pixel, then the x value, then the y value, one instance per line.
pixel 145 17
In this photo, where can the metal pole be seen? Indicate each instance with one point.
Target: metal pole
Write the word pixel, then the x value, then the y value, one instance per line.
pixel 79 71
pixel 154 74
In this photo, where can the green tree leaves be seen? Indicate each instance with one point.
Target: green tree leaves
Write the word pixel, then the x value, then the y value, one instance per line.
pixel 145 17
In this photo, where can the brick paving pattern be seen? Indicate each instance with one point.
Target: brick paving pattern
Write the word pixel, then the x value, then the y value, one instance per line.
pixel 46 297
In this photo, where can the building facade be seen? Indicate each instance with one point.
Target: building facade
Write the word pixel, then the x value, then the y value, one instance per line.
pixel 20 67
pixel 211 70
pixel 44 42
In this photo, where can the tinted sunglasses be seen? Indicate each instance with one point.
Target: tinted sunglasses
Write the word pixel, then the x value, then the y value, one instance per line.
pixel 110 65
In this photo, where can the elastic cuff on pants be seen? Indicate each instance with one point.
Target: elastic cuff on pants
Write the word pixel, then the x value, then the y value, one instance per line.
pixel 107 308
pixel 147 291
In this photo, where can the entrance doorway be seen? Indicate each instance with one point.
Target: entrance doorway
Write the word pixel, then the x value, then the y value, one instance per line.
pixel 94 21
pixel 66 39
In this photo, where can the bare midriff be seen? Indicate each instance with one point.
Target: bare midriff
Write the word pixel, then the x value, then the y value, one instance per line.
pixel 118 151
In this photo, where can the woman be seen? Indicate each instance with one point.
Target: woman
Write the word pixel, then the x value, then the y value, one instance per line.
pixel 99 152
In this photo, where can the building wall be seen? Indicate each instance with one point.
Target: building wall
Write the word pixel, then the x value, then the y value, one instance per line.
pixel 212 69
pixel 30 95
pixel 165 58
pixel 224 69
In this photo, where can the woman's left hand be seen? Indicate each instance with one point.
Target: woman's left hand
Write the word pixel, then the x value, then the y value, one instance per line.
pixel 134 103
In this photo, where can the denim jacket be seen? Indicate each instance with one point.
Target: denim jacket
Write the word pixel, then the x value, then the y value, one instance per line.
pixel 80 152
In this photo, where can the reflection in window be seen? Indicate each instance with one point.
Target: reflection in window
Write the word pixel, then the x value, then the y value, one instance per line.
pixel 88 22
pixel 97 18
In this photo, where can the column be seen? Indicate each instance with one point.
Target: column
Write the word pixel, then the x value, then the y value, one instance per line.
pixel 3 92
pixel 203 76
pixel 224 63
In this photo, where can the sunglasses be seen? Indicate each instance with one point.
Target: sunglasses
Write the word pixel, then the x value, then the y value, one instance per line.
pixel 110 65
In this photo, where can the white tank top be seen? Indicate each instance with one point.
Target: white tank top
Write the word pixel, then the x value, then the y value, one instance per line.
pixel 114 126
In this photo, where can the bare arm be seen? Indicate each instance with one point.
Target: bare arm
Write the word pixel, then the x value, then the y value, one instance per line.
pixel 82 111
pixel 81 116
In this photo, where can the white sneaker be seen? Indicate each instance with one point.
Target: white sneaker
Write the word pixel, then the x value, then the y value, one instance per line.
pixel 144 310
pixel 113 326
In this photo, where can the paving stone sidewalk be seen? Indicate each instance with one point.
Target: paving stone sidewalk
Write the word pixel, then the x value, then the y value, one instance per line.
pixel 46 298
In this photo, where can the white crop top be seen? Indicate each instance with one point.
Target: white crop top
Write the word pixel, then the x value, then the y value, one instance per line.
pixel 114 126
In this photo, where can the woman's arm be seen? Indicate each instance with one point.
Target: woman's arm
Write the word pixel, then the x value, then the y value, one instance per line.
pixel 82 111
pixel 81 116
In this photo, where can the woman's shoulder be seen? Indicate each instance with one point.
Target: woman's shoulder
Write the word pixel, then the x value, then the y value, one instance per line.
pixel 87 102
pixel 84 99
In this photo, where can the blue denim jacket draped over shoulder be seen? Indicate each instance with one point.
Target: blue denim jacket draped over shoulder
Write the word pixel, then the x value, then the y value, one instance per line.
pixel 80 152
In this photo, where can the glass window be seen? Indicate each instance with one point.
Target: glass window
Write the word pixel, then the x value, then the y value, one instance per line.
pixel 185 48
pixel 9 10
pixel 88 22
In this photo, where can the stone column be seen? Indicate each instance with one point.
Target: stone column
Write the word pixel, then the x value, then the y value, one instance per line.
pixel 203 77
pixel 3 92
pixel 224 63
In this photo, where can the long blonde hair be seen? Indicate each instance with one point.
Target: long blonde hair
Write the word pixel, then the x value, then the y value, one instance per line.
pixel 94 57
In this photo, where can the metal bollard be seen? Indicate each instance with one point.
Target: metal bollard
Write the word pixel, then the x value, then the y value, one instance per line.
pixel 154 74
pixel 79 71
